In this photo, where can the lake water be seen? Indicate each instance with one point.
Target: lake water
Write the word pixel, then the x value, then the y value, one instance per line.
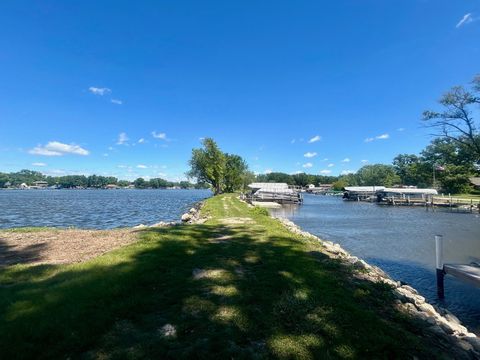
pixel 400 240
pixel 94 209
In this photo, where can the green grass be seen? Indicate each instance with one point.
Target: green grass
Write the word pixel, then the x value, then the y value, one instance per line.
pixel 258 292
pixel 467 196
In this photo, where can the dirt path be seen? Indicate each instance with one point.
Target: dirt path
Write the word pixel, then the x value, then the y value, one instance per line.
pixel 53 246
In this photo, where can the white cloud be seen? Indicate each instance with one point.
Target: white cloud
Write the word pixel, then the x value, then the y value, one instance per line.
pixel 161 136
pixel 105 154
pixel 55 148
pixel 315 139
pixel 99 91
pixel 307 165
pixel 467 19
pixel 268 171
pixel 401 129
pixel 122 166
pixel 116 101
pixel 346 172
pixel 331 165
pixel 141 141
pixel 364 161
pixel 310 154
pixel 378 137
pixel 325 172
pixel 346 160
pixel 122 138
pixel 326 159
pixel 293 141
pixel 141 166
pixel 39 164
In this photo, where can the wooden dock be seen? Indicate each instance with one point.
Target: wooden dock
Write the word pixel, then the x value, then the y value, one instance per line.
pixel 467 273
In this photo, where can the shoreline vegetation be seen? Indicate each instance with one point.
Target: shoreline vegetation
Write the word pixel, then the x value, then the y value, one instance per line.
pixel 229 282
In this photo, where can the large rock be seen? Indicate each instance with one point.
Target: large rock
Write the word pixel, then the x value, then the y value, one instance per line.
pixel 186 217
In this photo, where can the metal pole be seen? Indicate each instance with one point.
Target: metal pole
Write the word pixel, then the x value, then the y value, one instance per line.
pixel 439 266
pixel 434 176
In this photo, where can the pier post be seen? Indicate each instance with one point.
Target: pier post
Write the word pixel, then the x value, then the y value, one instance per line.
pixel 439 265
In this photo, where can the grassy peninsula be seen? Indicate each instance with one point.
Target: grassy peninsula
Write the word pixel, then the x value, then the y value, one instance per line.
pixel 237 286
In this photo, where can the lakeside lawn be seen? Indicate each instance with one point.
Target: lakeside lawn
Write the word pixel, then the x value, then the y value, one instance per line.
pixel 239 286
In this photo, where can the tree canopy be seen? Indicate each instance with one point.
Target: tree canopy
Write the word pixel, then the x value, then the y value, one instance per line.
pixel 455 121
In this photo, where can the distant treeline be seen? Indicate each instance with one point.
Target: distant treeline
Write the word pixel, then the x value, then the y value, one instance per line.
pixel 29 177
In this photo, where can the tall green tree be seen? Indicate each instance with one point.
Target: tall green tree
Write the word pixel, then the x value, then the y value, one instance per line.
pixel 377 174
pixel 235 169
pixel 208 165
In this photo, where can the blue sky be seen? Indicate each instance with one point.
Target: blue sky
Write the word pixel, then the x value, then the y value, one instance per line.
pixel 128 88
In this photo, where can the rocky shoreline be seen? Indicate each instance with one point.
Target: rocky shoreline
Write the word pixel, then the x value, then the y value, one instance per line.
pixel 439 323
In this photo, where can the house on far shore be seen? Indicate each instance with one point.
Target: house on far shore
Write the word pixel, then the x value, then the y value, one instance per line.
pixel 40 184
pixel 475 181
pixel 111 186
pixel 23 186
pixel 310 186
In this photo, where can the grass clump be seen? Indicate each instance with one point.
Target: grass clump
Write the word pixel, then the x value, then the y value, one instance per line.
pixel 244 289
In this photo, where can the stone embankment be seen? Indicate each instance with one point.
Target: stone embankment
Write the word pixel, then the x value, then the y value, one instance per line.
pixel 439 323
pixel 193 216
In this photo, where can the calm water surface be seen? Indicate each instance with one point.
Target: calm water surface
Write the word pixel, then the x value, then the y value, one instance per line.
pixel 400 240
pixel 95 209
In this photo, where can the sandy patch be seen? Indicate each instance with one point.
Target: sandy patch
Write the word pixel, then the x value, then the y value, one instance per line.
pixel 237 220
pixel 59 246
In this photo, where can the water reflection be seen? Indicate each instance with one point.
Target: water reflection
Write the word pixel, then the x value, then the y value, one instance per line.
pixel 400 241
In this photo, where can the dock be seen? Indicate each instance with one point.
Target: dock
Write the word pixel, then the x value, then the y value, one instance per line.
pixel 467 273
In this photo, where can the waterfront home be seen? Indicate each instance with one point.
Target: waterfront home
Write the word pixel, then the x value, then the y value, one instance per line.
pixel 361 193
pixel 274 192
pixel 475 181
pixel 39 185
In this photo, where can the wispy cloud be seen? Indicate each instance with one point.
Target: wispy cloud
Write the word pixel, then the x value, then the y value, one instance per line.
pixel 307 165
pixel 364 161
pixel 268 171
pixel 161 136
pixel 39 164
pixel 310 154
pixel 141 141
pixel 325 172
pixel 122 138
pixel 99 91
pixel 346 172
pixel 116 101
pixel 331 165
pixel 401 129
pixel 466 19
pixel 378 137
pixel 315 139
pixel 346 160
pixel 55 148
pixel 141 166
